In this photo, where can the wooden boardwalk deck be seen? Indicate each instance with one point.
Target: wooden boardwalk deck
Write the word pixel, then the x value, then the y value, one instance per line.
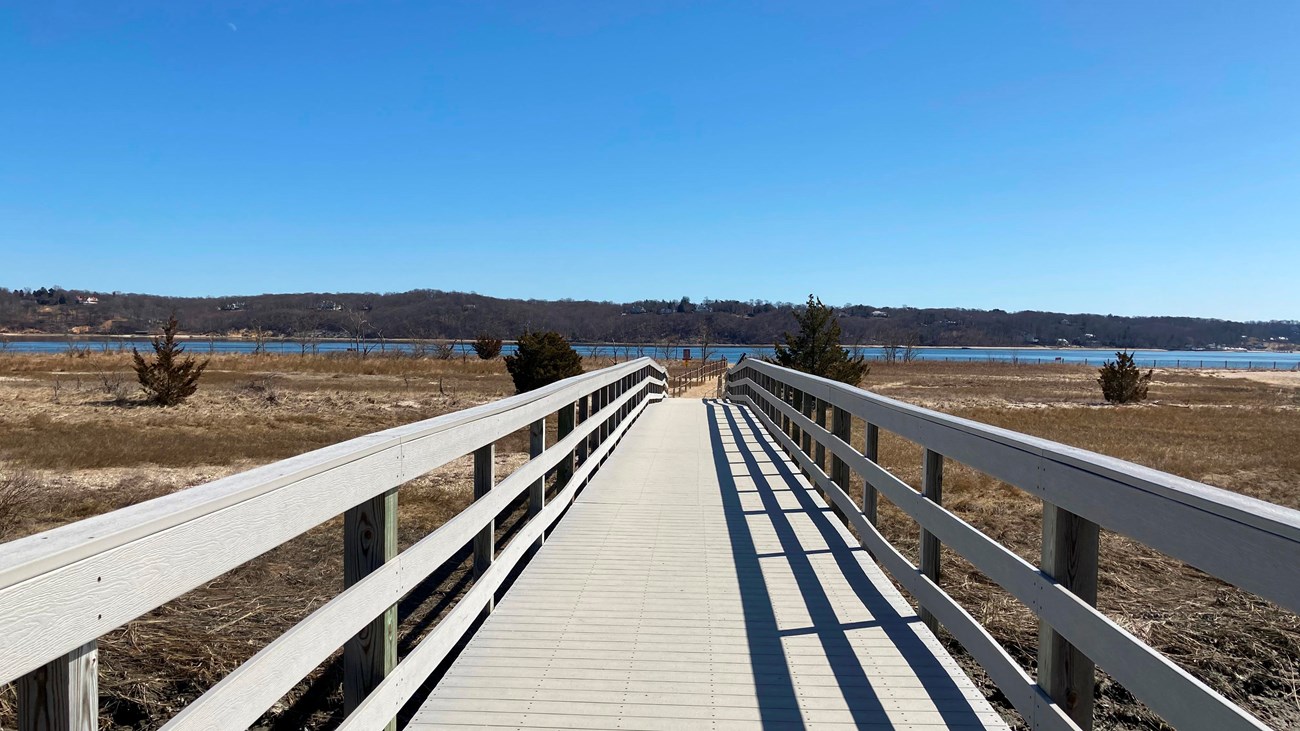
pixel 700 582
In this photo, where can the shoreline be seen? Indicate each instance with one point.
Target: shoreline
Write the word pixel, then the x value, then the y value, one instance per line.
pixel 48 337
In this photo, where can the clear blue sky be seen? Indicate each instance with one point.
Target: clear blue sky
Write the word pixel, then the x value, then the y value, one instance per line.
pixel 1125 157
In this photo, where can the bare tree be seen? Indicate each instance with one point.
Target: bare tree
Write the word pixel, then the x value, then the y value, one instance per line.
pixel 706 340
pixel 259 340
pixel 910 352
pixel 889 348
pixel 357 325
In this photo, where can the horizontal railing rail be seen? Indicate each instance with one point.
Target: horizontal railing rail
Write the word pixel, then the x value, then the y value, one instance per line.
pixel 1246 542
pixel 62 589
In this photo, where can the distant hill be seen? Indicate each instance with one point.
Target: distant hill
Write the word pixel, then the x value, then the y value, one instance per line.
pixel 431 314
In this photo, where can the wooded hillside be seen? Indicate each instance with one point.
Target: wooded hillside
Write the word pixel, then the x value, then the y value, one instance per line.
pixel 436 314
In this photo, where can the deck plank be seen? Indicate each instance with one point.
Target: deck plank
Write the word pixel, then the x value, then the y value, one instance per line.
pixel 700 582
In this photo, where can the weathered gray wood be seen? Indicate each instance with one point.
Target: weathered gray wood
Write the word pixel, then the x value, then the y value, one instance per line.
pixel 806 406
pixel 581 452
pixel 603 401
pixel 819 451
pixel 1171 692
pixel 1070 551
pixel 63 694
pixel 537 492
pixel 369 541
pixel 190 537
pixel 406 679
pixel 241 697
pixel 871 450
pixel 484 478
pixel 932 479
pixel 589 607
pixel 1253 542
pixel 842 428
pixel 1022 692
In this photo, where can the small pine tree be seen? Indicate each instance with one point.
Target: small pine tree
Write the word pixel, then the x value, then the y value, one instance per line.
pixel 540 359
pixel 1122 381
pixel 816 347
pixel 168 379
pixel 487 347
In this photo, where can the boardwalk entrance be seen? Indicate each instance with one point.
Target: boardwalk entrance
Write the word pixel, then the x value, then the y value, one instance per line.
pixel 699 582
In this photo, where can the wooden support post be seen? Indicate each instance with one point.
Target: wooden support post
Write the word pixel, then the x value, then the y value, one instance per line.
pixel 63 694
pixel 602 400
pixel 563 428
pixel 932 476
pixel 871 450
pixel 581 451
pixel 820 456
pixel 537 491
pixel 784 395
pixel 369 541
pixel 1070 546
pixel 485 541
pixel 805 438
pixel 842 428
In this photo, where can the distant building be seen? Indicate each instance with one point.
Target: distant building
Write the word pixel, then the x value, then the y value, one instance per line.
pixel 879 313
pixel 231 307
pixel 636 310
pixel 87 300
pixel 329 306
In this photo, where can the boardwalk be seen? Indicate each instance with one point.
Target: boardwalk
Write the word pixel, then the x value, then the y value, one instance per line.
pixel 699 582
pixel 693 577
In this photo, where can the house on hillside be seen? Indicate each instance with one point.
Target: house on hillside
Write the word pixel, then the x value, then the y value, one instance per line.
pixel 92 300
pixel 879 313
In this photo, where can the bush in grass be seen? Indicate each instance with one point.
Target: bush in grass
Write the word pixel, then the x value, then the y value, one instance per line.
pixel 542 358
pixel 167 379
pixel 487 347
pixel 1122 381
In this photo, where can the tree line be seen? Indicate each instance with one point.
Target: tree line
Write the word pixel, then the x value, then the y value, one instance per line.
pixel 435 314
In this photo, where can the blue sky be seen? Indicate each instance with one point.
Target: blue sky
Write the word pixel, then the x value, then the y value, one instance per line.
pixel 1131 158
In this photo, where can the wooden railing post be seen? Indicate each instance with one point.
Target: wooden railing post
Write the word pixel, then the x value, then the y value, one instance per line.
pixel 601 402
pixel 932 477
pixel 583 445
pixel 805 438
pixel 63 694
pixel 783 393
pixel 537 491
pixel 563 428
pixel 1070 546
pixel 870 450
pixel 842 428
pixel 370 541
pixel 485 541
pixel 820 449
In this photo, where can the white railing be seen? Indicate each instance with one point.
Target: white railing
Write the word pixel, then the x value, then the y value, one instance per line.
pixel 1246 542
pixel 61 590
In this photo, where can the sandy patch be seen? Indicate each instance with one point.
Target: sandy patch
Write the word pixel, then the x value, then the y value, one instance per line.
pixel 1273 378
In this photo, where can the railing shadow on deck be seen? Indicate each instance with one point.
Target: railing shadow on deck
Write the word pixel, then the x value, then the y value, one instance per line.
pixel 863 702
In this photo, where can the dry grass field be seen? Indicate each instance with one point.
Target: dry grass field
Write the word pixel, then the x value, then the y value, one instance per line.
pixel 73 443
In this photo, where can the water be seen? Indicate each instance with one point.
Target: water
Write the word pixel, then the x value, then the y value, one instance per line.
pixel 1146 358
